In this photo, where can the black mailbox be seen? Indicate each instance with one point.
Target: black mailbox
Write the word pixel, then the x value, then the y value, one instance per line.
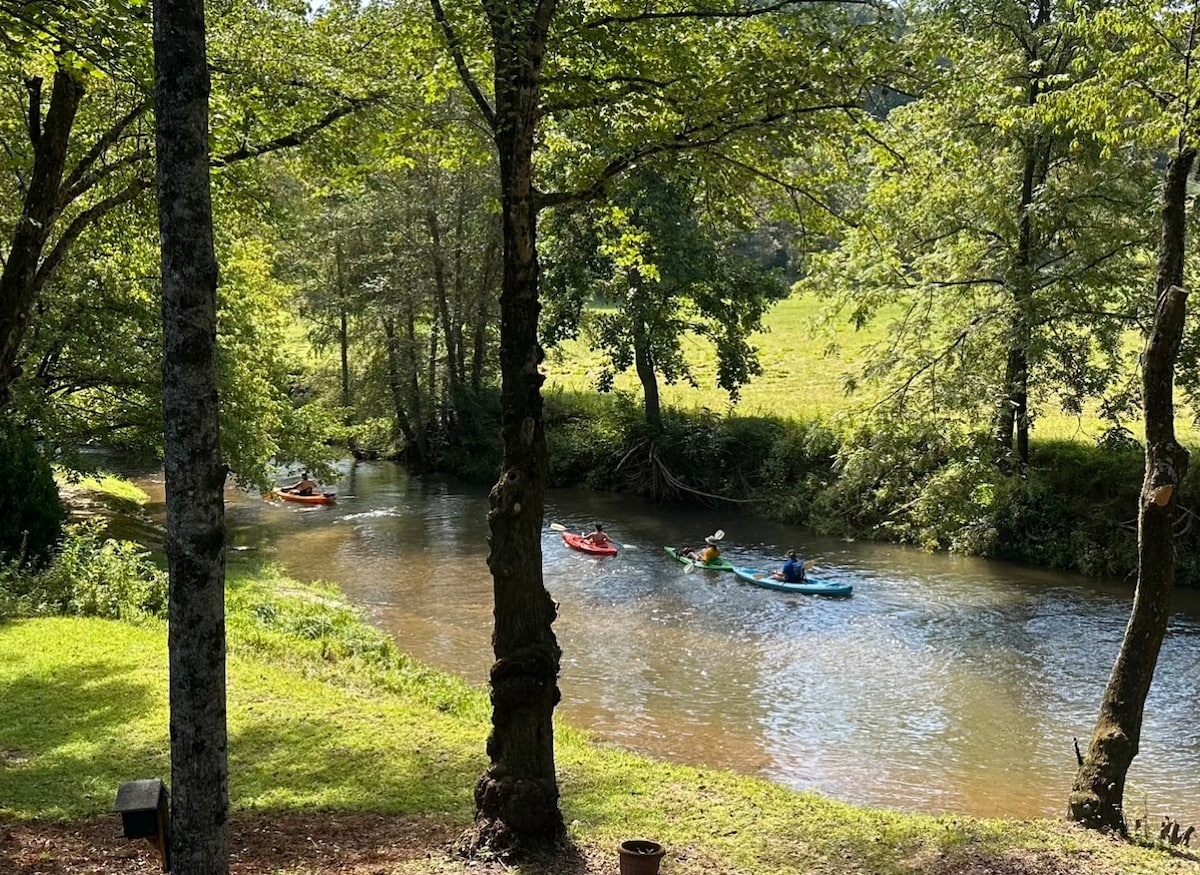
pixel 145 812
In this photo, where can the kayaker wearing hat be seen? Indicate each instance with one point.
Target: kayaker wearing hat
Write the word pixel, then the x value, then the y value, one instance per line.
pixel 708 554
pixel 792 571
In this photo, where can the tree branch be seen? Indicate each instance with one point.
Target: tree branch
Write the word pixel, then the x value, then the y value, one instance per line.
pixel 460 62
pixel 80 223
pixel 788 186
pixel 679 14
pixel 297 138
pixel 79 179
pixel 684 141
pixel 34 115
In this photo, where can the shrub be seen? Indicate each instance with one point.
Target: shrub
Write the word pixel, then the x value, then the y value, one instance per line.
pixel 91 576
pixel 29 505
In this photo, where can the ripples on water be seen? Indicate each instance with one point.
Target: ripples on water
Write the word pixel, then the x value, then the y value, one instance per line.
pixel 943 684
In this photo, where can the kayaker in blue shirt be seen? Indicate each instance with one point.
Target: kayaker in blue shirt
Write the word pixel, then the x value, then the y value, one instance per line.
pixel 792 571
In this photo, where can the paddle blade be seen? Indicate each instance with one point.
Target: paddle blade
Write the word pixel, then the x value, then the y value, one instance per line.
pixel 558 527
pixel 629 546
pixel 718 535
pixel 759 576
pixel 809 564
pixel 689 568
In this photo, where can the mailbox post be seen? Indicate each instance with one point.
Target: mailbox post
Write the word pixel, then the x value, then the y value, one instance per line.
pixel 145 810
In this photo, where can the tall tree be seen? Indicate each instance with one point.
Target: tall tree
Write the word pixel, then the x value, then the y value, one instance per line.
pixel 621 86
pixel 1002 241
pixel 1166 37
pixel 671 270
pixel 82 154
pixel 193 467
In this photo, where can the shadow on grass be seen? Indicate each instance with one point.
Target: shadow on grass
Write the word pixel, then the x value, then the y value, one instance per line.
pixel 308 763
pixel 65 741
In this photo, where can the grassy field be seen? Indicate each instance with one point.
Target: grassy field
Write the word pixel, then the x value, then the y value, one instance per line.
pixel 806 354
pixel 325 716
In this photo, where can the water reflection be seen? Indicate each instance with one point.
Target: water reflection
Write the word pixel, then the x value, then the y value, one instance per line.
pixel 944 684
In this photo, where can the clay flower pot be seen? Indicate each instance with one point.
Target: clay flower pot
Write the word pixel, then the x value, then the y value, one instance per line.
pixel 640 857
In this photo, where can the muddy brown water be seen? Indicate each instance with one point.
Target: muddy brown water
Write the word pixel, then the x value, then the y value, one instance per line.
pixel 945 684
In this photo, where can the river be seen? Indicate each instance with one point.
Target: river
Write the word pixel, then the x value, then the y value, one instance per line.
pixel 944 684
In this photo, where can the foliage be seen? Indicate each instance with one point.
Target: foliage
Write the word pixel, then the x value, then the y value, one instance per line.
pixel 1006 240
pixel 673 272
pixel 29 503
pixel 91 576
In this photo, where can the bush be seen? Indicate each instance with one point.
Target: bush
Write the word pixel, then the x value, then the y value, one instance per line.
pixel 92 576
pixel 29 505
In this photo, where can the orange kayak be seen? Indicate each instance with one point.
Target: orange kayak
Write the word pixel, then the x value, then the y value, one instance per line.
pixel 315 498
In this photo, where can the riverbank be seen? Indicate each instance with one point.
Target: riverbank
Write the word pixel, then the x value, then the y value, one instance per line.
pixel 927 484
pixel 347 756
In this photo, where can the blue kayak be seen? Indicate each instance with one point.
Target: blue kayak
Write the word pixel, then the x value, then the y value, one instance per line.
pixel 716 565
pixel 758 577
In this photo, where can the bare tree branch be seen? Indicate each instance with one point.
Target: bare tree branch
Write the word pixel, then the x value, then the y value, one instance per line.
pixel 297 138
pixel 702 13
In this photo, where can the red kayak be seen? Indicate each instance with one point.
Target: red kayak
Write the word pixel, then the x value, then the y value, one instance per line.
pixel 577 542
pixel 315 498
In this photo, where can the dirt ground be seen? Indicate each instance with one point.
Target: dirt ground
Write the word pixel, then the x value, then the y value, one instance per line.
pixel 367 844
pixel 319 843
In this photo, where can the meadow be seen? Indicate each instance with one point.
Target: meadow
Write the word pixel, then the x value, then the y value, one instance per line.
pixel 807 351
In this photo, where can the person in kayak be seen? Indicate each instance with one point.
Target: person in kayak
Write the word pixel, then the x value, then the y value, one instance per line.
pixel 304 487
pixel 709 553
pixel 598 537
pixel 792 571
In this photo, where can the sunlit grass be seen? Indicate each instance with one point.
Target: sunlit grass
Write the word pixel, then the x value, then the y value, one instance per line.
pixel 807 353
pixel 108 489
pixel 325 714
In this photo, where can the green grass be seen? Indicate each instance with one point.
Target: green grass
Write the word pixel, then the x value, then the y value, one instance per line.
pixel 114 492
pixel 325 714
pixel 806 355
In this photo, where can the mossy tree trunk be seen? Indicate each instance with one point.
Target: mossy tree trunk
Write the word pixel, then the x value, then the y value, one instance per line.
pixel 1097 796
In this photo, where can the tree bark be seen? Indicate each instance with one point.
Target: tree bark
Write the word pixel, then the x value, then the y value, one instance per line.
pixel 516 799
pixel 643 359
pixel 343 323
pixel 39 211
pixel 195 472
pixel 1097 796
pixel 395 387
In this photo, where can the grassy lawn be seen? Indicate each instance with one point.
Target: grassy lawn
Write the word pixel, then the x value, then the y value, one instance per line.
pixel 326 717
pixel 805 355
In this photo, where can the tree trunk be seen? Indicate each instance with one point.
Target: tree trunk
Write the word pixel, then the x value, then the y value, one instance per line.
pixel 344 323
pixel 482 311
pixel 643 360
pixel 416 409
pixel 18 289
pixel 1097 796
pixel 395 388
pixel 195 472
pixel 516 799
pixel 455 329
pixel 442 293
